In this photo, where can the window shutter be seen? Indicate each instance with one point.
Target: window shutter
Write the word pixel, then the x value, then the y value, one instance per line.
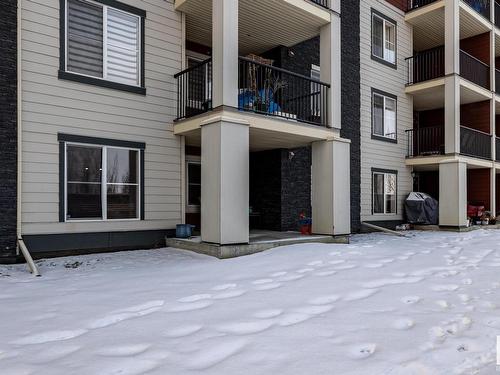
pixel 85 38
pixel 122 47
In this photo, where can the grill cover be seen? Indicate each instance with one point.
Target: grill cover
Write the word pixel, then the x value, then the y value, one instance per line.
pixel 421 209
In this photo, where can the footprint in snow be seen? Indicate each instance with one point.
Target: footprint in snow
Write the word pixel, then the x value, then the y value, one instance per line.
pixel 215 354
pixel 124 350
pixel 268 314
pixel 262 281
pixel 335 262
pixel 305 270
pixel 50 336
pixel 292 277
pixel 315 263
pixel 360 294
pixel 445 288
pixel 269 286
pixel 373 265
pixel 314 310
pixel 224 287
pixel 362 351
pixel 324 300
pixel 183 331
pixel 127 313
pixel 443 304
pixel 190 306
pixel 410 300
pixel 48 355
pixel 325 273
pixel 467 281
pixel 229 294
pixel 194 298
pixel 246 328
pixel 293 318
pixel 403 324
pixel 279 274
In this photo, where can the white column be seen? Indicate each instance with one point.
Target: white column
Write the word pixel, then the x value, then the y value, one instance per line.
pixel 224 181
pixel 225 52
pixel 452 36
pixel 493 190
pixel 452 114
pixel 453 194
pixel 330 57
pixel 331 203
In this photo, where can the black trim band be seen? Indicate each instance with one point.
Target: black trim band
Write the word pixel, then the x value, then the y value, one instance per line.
pixel 102 82
pixel 63 137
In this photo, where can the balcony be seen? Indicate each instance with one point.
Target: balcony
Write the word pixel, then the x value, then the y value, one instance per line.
pixel 474 70
pixel 475 143
pixel 428 65
pixel 323 3
pixel 497 14
pixel 497 81
pixel 414 4
pixel 425 141
pixel 497 148
pixel 263 89
pixel 480 6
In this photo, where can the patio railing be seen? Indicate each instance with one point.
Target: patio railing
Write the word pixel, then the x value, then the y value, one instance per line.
pixel 475 143
pixel 273 91
pixel 497 81
pixel 426 65
pixel 323 3
pixel 474 70
pixel 194 90
pixel 425 141
pixel 480 6
pixel 497 14
pixel 497 148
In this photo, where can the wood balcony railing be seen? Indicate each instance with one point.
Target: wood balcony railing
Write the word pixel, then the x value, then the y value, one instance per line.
pixel 425 141
pixel 414 4
pixel 475 143
pixel 426 65
pixel 474 70
pixel 480 6
pixel 273 91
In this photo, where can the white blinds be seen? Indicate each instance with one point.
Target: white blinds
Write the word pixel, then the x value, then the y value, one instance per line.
pixel 122 60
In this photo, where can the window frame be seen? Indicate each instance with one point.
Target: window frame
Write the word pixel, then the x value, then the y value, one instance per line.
pixel 385 95
pixel 384 172
pixel 97 81
pixel 385 20
pixel 104 144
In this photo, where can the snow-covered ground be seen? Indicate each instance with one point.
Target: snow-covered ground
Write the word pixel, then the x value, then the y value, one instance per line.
pixel 428 304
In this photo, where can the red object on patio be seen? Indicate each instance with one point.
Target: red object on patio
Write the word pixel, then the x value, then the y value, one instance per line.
pixel 475 211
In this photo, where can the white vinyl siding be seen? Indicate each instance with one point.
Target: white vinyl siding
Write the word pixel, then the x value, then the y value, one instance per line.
pixel 52 106
pixel 103 42
pixel 376 154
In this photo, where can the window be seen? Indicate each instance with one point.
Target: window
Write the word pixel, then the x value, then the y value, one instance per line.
pixel 101 182
pixel 384 192
pixel 383 38
pixel 103 44
pixel 316 91
pixel 384 116
pixel 193 195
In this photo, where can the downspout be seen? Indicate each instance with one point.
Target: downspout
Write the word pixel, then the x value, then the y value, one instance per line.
pixel 21 246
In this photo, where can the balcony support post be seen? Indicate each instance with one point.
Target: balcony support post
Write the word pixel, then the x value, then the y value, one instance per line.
pixel 453 194
pixel 493 190
pixel 224 181
pixel 225 52
pixel 330 58
pixel 331 213
pixel 452 115
pixel 452 37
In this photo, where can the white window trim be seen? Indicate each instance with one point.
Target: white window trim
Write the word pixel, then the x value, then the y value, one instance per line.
pixel 191 208
pixel 385 98
pixel 385 213
pixel 105 44
pixel 104 184
pixel 385 50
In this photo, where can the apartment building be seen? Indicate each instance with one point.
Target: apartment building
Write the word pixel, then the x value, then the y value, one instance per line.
pixel 125 118
pixel 452 148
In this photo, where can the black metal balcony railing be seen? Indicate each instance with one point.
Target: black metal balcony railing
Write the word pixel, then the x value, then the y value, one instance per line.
pixel 497 81
pixel 497 14
pixel 426 65
pixel 475 143
pixel 273 91
pixel 414 4
pixel 425 141
pixel 323 3
pixel 480 6
pixel 474 70
pixel 194 90
pixel 497 148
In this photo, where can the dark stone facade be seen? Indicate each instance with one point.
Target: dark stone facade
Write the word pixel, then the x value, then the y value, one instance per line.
pixel 280 188
pixel 8 128
pixel 351 100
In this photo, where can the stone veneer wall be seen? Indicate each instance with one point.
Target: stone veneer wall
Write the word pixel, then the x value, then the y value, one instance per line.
pixel 8 129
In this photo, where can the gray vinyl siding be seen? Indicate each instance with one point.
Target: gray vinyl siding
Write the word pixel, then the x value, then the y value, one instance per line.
pixel 52 106
pixel 375 75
